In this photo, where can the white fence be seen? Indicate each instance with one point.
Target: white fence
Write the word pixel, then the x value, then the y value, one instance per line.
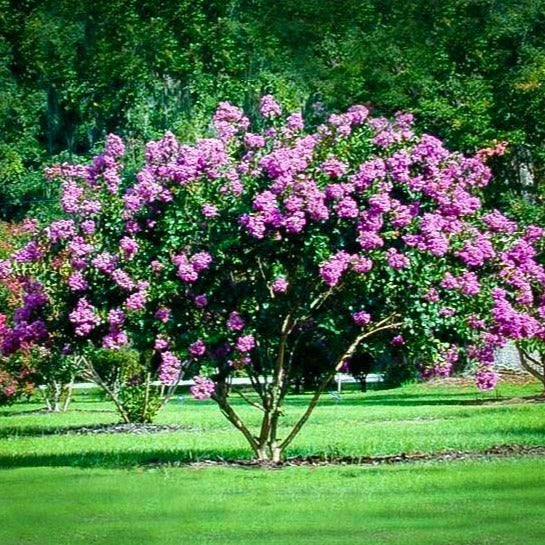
pixel 340 379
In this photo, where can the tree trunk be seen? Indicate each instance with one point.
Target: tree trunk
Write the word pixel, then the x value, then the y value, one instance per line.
pixel 267 453
pixel 267 447
pixel 97 379
pixel 534 366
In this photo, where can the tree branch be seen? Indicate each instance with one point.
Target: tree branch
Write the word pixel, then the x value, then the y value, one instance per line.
pixel 524 358
pixel 221 399
pixel 98 380
pixel 380 326
pixel 248 400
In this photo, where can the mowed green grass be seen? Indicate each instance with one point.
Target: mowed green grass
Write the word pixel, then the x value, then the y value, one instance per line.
pixel 414 418
pixel 59 488
pixel 464 503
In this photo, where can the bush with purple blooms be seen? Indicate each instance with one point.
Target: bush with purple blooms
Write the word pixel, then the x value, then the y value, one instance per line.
pixel 225 255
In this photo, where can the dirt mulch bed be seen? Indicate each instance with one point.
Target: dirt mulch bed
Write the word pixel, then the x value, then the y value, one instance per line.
pixel 500 451
pixel 134 429
pixel 517 378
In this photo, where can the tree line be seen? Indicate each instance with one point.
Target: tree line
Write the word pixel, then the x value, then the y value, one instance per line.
pixel 471 70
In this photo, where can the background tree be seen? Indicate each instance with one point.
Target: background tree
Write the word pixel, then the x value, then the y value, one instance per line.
pixel 472 71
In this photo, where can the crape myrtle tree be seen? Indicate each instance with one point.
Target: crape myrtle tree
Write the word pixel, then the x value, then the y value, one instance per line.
pixel 87 290
pixel 518 303
pixel 23 298
pixel 231 255
pixel 358 233
pixel 17 373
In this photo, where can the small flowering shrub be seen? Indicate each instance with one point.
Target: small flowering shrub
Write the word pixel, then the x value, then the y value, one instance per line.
pixel 17 375
pixel 17 372
pixel 231 255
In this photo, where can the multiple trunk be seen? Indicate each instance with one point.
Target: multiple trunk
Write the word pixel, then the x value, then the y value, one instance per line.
pixel 113 392
pixel 535 365
pixel 57 396
pixel 266 444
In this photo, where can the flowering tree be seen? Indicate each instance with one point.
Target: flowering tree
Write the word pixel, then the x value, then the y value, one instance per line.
pixel 17 374
pixel 232 255
pixel 357 234
pixel 518 303
pixel 84 287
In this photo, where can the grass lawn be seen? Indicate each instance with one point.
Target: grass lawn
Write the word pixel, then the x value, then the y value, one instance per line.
pixel 409 419
pixel 61 488
pixel 495 502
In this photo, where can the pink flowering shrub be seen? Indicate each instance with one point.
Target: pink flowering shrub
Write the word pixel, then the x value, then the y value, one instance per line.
pixel 224 255
pixel 17 374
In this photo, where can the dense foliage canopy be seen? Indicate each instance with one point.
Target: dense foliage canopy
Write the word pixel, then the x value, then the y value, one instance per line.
pixel 226 256
pixel 70 72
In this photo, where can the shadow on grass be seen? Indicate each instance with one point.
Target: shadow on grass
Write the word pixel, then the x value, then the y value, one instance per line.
pixel 112 460
pixel 40 431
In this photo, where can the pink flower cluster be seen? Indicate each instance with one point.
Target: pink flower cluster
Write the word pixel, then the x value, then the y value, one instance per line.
pixel 170 368
pixel 203 388
pixel 189 268
pixel 84 318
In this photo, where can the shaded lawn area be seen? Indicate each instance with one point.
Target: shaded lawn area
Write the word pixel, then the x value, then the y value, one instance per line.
pixel 415 418
pixel 500 502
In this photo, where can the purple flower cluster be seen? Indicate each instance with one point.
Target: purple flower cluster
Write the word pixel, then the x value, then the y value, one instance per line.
pixel 129 247
pixel 280 285
pixel 105 262
pixel 333 269
pixel 476 251
pixel 269 107
pixel 163 314
pixel 334 168
pixel 84 318
pixel 246 343
pixel 468 283
pixel 396 259
pixel 170 368
pixel 203 388
pixel 197 349
pixel 210 211
pixel 60 230
pixel 229 121
pixel 201 301
pixel 77 282
pixel 137 300
pixel 28 327
pixel 31 253
pixel 189 268
pixel 235 322
pixel 115 339
pixel 122 279
pixel 442 367
pixel 361 318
